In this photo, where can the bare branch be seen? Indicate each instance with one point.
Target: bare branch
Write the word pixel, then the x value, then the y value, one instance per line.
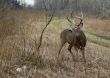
pixel 50 18
pixel 44 3
pixel 47 23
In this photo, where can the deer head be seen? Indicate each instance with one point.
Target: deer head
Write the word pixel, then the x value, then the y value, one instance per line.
pixel 77 21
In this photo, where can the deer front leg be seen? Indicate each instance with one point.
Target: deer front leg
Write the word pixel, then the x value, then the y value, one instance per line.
pixel 61 46
pixel 83 54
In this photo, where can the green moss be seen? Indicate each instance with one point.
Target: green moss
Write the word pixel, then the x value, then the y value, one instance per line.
pixel 60 23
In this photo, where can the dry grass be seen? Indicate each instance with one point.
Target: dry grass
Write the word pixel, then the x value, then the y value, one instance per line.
pixel 98 26
pixel 18 42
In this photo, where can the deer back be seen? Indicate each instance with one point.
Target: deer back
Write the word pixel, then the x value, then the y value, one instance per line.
pixel 68 36
pixel 74 36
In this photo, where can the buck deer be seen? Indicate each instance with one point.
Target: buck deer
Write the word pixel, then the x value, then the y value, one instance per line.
pixel 74 37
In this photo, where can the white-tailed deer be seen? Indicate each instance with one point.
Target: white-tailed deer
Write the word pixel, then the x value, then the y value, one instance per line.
pixel 74 37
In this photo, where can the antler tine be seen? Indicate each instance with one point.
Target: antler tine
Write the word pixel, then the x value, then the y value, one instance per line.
pixel 79 17
pixel 69 20
pixel 81 21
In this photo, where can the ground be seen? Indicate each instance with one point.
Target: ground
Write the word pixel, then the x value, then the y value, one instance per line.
pixel 19 36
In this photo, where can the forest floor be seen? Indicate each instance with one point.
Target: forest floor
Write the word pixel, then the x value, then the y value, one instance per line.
pixel 19 36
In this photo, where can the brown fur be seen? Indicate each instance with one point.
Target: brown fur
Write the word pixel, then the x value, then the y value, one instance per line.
pixel 75 38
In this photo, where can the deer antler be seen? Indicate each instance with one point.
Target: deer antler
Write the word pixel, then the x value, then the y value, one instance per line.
pixel 77 17
pixel 72 23
pixel 69 20
pixel 80 18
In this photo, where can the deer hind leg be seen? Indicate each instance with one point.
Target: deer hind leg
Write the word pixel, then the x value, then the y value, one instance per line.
pixel 61 46
pixel 77 50
pixel 69 49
